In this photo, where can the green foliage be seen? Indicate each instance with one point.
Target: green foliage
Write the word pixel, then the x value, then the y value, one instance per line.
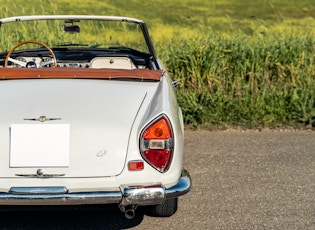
pixel 244 62
pixel 236 81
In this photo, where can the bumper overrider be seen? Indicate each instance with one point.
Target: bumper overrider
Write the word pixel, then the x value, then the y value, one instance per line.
pixel 127 196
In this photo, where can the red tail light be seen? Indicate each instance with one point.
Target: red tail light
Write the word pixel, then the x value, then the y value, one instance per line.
pixel 156 143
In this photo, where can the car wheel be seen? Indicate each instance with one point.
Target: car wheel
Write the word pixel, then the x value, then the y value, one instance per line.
pixel 168 208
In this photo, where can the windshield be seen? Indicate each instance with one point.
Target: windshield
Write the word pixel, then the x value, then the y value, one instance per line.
pixel 74 33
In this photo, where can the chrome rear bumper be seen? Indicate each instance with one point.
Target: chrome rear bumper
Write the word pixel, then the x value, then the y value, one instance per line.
pixel 151 195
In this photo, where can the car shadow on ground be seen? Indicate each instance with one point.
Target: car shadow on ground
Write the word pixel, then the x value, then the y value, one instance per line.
pixel 108 217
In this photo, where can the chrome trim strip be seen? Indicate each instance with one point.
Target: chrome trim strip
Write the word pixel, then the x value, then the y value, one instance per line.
pixel 68 17
pixel 44 176
pixel 42 119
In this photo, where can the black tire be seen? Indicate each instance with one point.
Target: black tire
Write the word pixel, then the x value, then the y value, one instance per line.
pixel 168 208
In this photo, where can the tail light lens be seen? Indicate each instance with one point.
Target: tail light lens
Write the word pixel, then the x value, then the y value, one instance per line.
pixel 156 144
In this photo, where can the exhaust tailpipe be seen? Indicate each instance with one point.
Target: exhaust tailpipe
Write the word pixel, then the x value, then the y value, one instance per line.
pixel 130 214
pixel 129 210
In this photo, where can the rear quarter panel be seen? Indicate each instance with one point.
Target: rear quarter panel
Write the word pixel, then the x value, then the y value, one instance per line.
pixel 161 101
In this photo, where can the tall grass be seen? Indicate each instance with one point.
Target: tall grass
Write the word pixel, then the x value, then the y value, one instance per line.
pixel 251 83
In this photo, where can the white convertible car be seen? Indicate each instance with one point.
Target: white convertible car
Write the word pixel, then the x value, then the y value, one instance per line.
pixel 88 116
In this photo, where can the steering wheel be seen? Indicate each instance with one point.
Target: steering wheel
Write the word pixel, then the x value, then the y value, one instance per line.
pixel 30 64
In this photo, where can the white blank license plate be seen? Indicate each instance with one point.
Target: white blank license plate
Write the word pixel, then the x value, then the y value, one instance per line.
pixel 40 145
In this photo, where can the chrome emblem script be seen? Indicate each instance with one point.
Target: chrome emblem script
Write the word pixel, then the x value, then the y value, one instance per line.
pixel 42 119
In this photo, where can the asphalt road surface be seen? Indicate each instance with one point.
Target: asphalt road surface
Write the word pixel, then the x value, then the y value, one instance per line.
pixel 241 180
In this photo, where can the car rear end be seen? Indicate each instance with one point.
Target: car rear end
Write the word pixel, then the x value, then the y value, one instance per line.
pixel 87 141
pixel 94 126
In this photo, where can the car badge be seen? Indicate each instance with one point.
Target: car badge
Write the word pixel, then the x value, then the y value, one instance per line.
pixel 42 119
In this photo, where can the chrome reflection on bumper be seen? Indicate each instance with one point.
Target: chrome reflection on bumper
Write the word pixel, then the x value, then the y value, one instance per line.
pixel 182 186
pixel 157 194
pixel 143 196
pixel 59 196
pixel 38 190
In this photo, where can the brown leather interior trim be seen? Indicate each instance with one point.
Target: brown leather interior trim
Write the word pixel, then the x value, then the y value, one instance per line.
pixel 66 72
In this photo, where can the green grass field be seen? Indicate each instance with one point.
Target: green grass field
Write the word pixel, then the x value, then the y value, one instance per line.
pixel 184 17
pixel 240 62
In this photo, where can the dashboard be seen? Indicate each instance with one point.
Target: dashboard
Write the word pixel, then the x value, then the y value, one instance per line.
pixel 90 58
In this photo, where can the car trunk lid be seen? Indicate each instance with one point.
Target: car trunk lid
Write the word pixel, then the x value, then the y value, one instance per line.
pixel 80 127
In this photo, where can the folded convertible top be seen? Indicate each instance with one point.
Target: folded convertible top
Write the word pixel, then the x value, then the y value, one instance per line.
pixel 66 72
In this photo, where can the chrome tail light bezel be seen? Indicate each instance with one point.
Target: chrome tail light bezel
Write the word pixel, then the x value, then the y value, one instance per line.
pixel 159 146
